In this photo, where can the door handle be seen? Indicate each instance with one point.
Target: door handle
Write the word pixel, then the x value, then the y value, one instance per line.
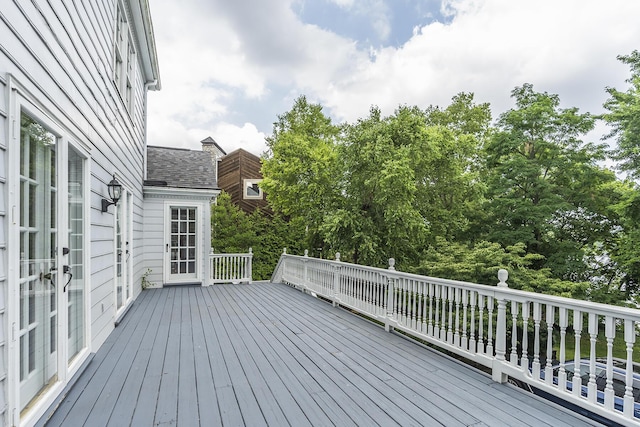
pixel 67 270
pixel 167 248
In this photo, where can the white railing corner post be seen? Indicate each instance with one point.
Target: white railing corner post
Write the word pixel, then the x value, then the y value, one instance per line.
pixel 336 280
pixel 305 278
pixel 501 331
pixel 250 265
pixel 389 321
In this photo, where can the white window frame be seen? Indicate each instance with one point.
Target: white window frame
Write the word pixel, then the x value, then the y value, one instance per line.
pixel 124 57
pixel 249 183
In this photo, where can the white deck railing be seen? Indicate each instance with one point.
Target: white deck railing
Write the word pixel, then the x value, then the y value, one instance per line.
pixel 517 334
pixel 230 268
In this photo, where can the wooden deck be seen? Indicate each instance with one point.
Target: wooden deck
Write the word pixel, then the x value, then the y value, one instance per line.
pixel 267 354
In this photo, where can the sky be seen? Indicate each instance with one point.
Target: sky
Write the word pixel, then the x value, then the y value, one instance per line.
pixel 229 68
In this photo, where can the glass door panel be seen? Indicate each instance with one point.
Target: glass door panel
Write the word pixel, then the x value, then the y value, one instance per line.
pixel 76 287
pixel 119 260
pixel 39 287
pixel 122 250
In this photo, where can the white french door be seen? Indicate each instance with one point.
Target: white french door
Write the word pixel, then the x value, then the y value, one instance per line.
pixel 51 285
pixel 181 254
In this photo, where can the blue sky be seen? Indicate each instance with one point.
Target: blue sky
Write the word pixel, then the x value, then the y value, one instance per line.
pixel 370 23
pixel 228 68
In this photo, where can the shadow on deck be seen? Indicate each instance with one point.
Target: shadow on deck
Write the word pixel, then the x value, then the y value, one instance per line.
pixel 267 354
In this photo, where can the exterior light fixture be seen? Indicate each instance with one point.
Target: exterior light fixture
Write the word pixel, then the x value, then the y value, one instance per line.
pixel 115 191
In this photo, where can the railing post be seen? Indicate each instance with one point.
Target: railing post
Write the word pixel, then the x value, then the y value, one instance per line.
pixel 305 261
pixel 336 280
pixel 250 265
pixel 389 321
pixel 212 275
pixel 501 331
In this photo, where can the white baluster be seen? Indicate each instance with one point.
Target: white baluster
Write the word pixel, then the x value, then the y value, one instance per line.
pixel 431 297
pixel 593 338
pixel 456 336
pixel 490 302
pixel 562 374
pixel 577 374
pixel 550 319
pixel 524 363
pixel 481 348
pixel 465 339
pixel 443 307
pixel 610 334
pixel 513 358
pixel 436 324
pixel 537 317
pixel 450 295
pixel 472 339
pixel 629 339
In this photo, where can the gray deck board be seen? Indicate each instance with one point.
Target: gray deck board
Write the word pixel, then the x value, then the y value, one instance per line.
pixel 266 354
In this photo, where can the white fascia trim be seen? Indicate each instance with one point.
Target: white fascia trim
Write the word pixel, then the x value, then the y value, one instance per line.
pixel 180 192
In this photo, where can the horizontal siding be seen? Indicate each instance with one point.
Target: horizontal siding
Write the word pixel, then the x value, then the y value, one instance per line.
pixel 154 240
pixel 61 52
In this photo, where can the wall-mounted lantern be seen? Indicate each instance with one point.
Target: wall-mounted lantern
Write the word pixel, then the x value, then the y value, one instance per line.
pixel 115 191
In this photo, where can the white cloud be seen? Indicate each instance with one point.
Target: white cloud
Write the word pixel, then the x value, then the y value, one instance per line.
pixel 346 4
pixel 231 137
pixel 489 48
pixel 219 58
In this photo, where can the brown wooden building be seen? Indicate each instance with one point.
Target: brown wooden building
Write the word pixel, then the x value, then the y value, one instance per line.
pixel 239 175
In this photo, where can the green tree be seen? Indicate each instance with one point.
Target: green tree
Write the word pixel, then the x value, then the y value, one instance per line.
pixel 231 228
pixel 624 117
pixel 450 189
pixel 273 234
pixel 545 186
pixel 234 231
pixel 300 167
pixel 376 218
pixel 480 262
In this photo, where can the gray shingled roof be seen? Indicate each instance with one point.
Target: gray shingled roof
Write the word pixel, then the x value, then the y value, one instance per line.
pixel 179 168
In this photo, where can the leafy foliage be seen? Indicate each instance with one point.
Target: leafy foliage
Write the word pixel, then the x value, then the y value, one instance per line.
pixel 447 194
pixel 624 117
pixel 234 231
pixel 480 263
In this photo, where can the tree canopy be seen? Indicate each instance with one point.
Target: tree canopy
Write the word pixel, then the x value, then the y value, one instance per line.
pixel 449 193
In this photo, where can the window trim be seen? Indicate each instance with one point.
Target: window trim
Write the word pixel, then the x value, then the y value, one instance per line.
pixel 124 57
pixel 246 183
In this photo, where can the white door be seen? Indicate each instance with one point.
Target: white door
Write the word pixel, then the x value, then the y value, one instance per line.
pixel 38 337
pixel 181 247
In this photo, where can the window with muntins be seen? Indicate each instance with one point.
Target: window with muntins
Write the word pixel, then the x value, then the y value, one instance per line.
pixel 124 58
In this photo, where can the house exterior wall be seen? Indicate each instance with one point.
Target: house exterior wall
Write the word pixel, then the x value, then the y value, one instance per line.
pixel 156 202
pixel 57 58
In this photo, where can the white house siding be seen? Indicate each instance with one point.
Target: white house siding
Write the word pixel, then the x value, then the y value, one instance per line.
pixel 156 200
pixel 59 56
pixel 154 238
